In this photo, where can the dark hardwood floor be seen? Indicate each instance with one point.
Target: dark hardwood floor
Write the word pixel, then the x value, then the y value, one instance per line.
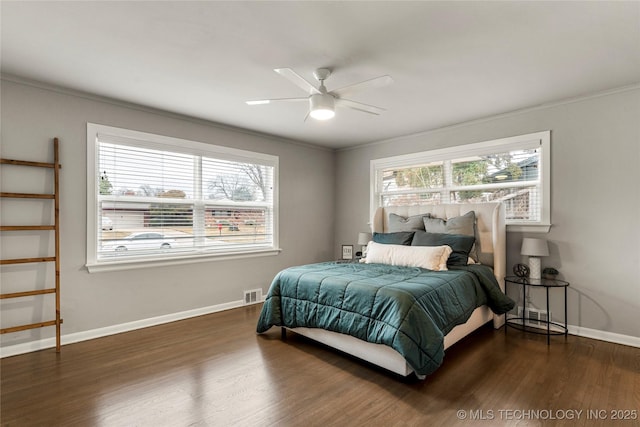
pixel 215 371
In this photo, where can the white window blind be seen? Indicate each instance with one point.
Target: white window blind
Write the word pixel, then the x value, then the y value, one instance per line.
pixel 513 171
pixel 158 198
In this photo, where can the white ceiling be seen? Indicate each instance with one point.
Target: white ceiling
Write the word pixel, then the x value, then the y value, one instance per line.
pixel 451 61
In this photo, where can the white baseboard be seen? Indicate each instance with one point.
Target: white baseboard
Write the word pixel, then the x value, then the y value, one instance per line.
pixel 605 336
pixel 13 350
pixel 594 334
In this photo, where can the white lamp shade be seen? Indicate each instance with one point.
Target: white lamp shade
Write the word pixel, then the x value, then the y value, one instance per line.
pixel 534 247
pixel 364 238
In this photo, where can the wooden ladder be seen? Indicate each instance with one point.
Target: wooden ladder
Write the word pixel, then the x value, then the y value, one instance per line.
pixel 55 228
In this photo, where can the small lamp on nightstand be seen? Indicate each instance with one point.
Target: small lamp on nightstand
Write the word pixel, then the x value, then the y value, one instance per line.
pixel 363 239
pixel 534 249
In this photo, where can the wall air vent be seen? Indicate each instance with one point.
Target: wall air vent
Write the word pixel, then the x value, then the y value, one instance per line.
pixel 253 296
pixel 533 317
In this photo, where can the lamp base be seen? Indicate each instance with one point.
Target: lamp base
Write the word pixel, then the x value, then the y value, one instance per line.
pixel 535 268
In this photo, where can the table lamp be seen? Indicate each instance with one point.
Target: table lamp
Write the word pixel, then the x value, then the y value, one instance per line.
pixel 364 239
pixel 534 249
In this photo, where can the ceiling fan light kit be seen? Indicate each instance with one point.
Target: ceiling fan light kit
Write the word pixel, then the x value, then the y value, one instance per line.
pixel 321 106
pixel 322 103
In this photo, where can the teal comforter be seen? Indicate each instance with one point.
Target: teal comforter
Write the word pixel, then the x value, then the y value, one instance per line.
pixel 408 309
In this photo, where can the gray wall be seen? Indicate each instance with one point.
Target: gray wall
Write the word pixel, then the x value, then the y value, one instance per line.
pixel 32 116
pixel 595 208
pixel 595 199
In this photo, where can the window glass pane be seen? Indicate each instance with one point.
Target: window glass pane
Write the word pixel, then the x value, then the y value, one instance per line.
pixel 237 226
pixel 427 176
pixel 140 172
pixel 507 170
pixel 134 228
pixel 513 166
pixel 521 203
pixel 159 204
pixel 238 182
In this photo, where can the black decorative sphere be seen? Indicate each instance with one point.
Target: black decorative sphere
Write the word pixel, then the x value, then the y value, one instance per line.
pixel 521 270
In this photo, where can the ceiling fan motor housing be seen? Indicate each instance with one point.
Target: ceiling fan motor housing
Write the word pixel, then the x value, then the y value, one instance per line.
pixel 321 74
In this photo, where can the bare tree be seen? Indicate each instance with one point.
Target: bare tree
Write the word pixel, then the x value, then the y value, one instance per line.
pixel 230 187
pixel 257 174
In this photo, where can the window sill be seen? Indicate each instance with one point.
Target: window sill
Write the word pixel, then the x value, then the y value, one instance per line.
pixel 529 228
pixel 106 266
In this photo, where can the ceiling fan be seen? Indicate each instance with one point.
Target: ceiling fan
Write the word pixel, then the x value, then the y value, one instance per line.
pixel 322 103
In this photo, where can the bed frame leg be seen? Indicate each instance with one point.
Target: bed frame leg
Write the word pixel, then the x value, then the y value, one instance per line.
pixel 499 320
pixel 283 333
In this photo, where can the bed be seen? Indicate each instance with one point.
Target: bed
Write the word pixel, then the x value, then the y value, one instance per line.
pixel 398 317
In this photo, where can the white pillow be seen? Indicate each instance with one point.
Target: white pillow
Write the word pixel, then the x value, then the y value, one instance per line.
pixel 430 257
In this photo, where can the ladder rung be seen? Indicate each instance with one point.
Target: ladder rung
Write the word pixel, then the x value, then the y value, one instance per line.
pixel 27 260
pixel 28 196
pixel 26 227
pixel 30 326
pixel 27 163
pixel 28 293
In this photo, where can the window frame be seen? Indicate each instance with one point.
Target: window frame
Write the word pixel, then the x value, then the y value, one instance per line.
pixel 538 139
pixel 178 145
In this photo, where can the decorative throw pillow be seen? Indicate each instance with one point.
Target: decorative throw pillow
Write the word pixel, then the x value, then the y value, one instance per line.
pixel 429 257
pixel 459 244
pixel 399 238
pixel 399 223
pixel 464 224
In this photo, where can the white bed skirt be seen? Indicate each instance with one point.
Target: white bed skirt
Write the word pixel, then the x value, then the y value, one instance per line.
pixel 385 356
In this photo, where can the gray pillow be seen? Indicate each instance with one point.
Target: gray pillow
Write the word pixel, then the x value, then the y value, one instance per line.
pixel 460 244
pixel 399 238
pixel 399 223
pixel 464 224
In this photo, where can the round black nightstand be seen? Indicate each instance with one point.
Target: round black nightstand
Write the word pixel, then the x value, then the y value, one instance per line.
pixel 520 321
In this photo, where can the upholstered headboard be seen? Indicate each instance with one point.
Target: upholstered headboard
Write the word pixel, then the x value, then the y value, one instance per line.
pixel 490 224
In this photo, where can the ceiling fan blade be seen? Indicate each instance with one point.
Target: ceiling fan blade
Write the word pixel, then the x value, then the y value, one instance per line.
pixel 365 108
pixel 297 80
pixel 367 84
pixel 269 101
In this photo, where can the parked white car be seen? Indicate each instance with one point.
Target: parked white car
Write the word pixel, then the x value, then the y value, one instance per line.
pixel 138 241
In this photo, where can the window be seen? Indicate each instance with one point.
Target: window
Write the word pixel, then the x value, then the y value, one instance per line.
pixel 159 200
pixel 514 171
